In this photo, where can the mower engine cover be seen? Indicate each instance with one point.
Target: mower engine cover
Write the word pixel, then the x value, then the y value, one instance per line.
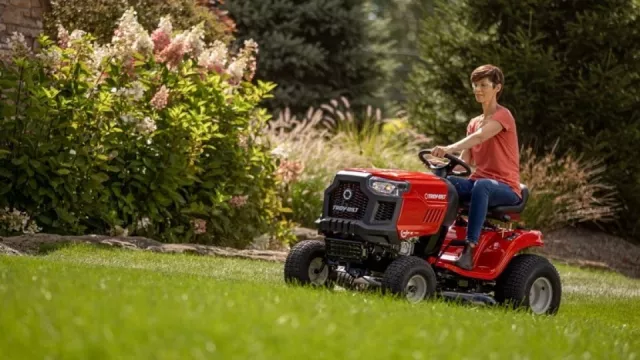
pixel 387 207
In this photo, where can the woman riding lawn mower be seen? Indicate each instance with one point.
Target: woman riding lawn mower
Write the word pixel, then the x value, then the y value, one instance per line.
pixel 422 234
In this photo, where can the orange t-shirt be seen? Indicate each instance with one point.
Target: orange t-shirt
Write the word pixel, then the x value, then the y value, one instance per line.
pixel 499 157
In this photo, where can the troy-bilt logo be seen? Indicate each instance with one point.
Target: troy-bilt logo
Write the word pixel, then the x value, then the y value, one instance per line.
pixel 347 194
pixel 345 208
pixel 407 234
pixel 435 196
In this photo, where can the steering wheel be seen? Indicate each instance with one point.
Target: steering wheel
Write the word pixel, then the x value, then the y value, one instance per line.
pixel 447 169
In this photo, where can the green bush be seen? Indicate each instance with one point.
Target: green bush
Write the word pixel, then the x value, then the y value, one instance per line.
pixel 100 17
pixel 155 135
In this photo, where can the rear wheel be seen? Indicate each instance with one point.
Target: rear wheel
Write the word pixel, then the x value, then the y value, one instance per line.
pixel 530 282
pixel 411 277
pixel 305 264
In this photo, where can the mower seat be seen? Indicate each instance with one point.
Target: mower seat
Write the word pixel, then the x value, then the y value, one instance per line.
pixel 504 213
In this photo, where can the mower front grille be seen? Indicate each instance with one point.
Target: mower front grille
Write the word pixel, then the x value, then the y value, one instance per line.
pixel 344 249
pixel 351 205
pixel 385 211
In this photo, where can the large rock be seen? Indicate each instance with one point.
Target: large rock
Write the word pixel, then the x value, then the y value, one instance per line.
pixel 40 243
pixel 5 250
pixel 264 242
pixel 269 255
pixel 307 234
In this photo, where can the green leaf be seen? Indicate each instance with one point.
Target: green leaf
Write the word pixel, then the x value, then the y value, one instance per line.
pixel 44 219
pixel 100 177
pixel 6 173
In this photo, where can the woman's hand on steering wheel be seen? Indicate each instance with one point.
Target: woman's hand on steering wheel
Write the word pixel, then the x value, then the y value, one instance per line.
pixel 440 151
pixel 454 162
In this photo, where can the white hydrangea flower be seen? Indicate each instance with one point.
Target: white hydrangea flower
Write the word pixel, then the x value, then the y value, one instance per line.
pixel 165 25
pixel 194 39
pixel 130 35
pixel 237 67
pixel 100 52
pixel 143 44
pixel 216 55
pixel 146 126
pixel 50 57
pixel 77 35
pixel 17 44
pixel 135 92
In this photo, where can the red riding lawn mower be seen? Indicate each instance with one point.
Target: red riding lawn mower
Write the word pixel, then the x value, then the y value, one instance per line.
pixel 402 232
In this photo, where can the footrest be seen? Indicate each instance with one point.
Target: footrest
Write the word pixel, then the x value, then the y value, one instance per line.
pixel 449 257
pixel 457 243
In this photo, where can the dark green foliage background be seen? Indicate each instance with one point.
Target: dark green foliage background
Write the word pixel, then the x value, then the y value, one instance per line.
pixel 314 50
pixel 572 74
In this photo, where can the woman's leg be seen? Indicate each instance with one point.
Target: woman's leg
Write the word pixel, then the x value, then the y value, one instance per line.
pixel 463 186
pixel 485 193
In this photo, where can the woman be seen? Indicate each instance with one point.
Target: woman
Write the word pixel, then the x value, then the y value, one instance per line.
pixel 491 146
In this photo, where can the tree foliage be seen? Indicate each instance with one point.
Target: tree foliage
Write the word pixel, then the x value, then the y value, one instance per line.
pixel 571 70
pixel 314 50
pixel 398 21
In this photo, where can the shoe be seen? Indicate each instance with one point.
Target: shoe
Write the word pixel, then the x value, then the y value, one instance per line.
pixel 465 261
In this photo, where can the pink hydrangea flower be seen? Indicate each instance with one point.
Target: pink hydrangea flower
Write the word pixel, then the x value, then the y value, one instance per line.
pixel 238 201
pixel 161 37
pixel 63 37
pixel 161 98
pixel 160 40
pixel 199 225
pixel 214 58
pixel 174 52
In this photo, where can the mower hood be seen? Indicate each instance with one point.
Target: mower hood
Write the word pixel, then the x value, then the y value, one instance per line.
pixel 394 174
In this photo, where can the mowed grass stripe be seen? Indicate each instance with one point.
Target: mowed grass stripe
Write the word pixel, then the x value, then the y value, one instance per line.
pixel 88 303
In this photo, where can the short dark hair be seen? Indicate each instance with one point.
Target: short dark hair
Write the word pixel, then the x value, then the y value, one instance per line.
pixel 492 72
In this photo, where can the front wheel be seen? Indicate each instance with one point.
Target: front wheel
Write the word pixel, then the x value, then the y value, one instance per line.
pixel 305 264
pixel 530 282
pixel 411 277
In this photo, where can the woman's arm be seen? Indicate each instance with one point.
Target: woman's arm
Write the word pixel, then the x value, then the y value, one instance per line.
pixel 466 156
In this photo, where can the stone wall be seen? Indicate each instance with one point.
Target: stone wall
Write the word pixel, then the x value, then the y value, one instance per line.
pixel 24 16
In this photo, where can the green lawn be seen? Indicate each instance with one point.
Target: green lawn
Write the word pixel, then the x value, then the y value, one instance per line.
pixel 88 303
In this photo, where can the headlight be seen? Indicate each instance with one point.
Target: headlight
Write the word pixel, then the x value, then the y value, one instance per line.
pixel 387 187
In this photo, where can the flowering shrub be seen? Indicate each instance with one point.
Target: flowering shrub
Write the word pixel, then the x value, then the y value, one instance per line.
pixel 154 133
pixel 100 17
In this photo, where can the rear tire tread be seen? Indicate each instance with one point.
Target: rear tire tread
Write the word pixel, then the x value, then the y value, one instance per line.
pixel 513 285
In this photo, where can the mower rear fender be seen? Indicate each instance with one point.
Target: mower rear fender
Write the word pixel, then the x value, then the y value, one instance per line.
pixel 494 252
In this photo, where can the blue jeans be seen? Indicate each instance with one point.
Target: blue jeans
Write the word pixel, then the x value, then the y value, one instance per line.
pixel 482 194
